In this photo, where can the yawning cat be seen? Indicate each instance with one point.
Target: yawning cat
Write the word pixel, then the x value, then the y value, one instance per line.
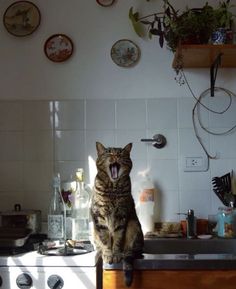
pixel 117 232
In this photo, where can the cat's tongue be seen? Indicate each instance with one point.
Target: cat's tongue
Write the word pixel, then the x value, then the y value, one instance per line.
pixel 114 169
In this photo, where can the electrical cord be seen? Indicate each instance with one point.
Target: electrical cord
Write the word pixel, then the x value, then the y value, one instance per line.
pixel 196 113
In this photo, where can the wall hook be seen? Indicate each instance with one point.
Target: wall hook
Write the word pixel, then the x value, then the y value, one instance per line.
pixel 158 141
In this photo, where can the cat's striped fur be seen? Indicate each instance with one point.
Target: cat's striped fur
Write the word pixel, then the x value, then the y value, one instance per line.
pixel 117 231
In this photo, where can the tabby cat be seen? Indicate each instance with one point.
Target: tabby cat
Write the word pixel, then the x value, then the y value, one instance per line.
pixel 117 232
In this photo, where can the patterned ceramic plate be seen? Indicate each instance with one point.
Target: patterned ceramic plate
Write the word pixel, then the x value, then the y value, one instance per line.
pixel 58 47
pixel 125 53
pixel 21 18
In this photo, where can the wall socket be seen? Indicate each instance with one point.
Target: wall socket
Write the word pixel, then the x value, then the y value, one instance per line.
pixel 195 164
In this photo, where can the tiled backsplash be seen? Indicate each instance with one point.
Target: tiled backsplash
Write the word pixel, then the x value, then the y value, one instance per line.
pixel 29 153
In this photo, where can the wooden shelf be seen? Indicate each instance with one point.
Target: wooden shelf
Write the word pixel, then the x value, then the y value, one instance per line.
pixel 203 55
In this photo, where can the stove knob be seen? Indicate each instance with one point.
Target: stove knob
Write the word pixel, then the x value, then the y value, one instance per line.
pixel 24 281
pixel 55 282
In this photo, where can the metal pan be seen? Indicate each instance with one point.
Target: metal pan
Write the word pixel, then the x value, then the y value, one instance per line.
pixel 13 237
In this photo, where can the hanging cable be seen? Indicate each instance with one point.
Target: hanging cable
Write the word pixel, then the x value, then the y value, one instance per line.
pixel 196 113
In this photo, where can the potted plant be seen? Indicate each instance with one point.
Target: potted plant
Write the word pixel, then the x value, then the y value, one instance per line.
pixel 191 26
pixel 224 20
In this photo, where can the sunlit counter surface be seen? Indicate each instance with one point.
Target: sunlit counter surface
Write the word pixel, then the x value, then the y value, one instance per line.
pixel 180 253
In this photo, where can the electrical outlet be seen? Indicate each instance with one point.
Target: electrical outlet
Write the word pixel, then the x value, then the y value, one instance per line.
pixel 195 164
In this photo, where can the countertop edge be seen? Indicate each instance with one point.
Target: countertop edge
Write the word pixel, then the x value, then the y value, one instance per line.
pixel 180 262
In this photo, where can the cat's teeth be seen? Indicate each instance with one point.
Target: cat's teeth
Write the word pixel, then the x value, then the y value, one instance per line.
pixel 114 171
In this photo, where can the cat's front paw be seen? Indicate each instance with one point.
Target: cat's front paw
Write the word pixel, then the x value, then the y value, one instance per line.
pixel 110 258
pixel 107 257
pixel 117 257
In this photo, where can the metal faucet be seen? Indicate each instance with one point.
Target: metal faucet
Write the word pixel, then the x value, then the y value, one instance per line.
pixel 191 224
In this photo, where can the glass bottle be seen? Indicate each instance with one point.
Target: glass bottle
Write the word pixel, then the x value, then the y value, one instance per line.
pixel 56 213
pixel 80 210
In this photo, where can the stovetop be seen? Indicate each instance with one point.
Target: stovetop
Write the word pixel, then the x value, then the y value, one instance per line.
pixel 35 259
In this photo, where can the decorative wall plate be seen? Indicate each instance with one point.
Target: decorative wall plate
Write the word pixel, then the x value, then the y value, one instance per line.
pixel 21 18
pixel 58 47
pixel 105 3
pixel 125 53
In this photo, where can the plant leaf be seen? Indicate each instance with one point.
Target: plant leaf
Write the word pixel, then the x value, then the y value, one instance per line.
pixel 133 16
pixel 159 24
pixel 137 26
pixel 161 40
pixel 155 31
pixel 146 22
pixel 149 35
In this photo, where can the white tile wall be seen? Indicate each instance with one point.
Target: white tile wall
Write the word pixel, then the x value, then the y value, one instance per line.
pixel 29 154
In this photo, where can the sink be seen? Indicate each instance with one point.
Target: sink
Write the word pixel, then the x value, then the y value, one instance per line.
pixel 190 246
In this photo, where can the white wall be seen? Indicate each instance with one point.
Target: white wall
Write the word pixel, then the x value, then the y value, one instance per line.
pixel 98 100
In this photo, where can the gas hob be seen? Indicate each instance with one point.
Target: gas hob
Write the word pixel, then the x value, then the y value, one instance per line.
pixel 35 271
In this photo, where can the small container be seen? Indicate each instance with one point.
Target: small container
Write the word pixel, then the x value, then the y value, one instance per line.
pixel 226 222
pixel 202 226
pixel 219 36
pixel 212 224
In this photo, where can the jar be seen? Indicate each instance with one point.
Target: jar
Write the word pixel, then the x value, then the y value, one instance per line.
pixel 226 222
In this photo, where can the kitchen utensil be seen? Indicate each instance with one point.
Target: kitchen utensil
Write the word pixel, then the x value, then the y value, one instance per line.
pixel 222 188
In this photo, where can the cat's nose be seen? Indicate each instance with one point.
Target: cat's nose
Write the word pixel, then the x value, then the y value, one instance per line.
pixel 115 159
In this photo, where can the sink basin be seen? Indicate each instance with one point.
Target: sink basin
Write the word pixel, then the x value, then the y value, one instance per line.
pixel 189 246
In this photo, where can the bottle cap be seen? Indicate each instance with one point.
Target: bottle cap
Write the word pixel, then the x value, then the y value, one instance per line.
pixel 56 181
pixel 80 175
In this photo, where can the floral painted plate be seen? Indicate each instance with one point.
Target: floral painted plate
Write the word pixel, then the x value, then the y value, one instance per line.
pixel 125 53
pixel 58 47
pixel 21 18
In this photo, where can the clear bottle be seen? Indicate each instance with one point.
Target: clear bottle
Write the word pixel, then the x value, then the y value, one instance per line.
pixel 80 210
pixel 56 213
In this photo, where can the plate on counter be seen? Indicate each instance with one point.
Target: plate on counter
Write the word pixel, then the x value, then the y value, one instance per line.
pixel 204 237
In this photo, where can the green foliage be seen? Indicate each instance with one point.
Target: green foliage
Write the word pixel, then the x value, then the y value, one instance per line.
pixel 137 25
pixel 193 25
pixel 223 15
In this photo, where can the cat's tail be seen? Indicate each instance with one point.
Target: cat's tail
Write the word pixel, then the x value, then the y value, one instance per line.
pixel 128 270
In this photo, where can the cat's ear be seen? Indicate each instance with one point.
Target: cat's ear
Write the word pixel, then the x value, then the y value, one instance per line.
pixel 100 148
pixel 128 147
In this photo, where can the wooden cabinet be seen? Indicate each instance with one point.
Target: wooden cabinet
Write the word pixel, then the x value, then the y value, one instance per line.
pixel 172 279
pixel 203 55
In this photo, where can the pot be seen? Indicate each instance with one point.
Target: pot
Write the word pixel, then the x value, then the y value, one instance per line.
pixel 25 219
pixel 13 237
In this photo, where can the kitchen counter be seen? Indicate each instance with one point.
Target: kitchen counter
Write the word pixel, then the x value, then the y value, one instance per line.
pixel 181 262
pixel 181 253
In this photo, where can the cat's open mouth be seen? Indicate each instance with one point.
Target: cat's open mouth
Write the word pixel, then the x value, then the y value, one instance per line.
pixel 114 170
